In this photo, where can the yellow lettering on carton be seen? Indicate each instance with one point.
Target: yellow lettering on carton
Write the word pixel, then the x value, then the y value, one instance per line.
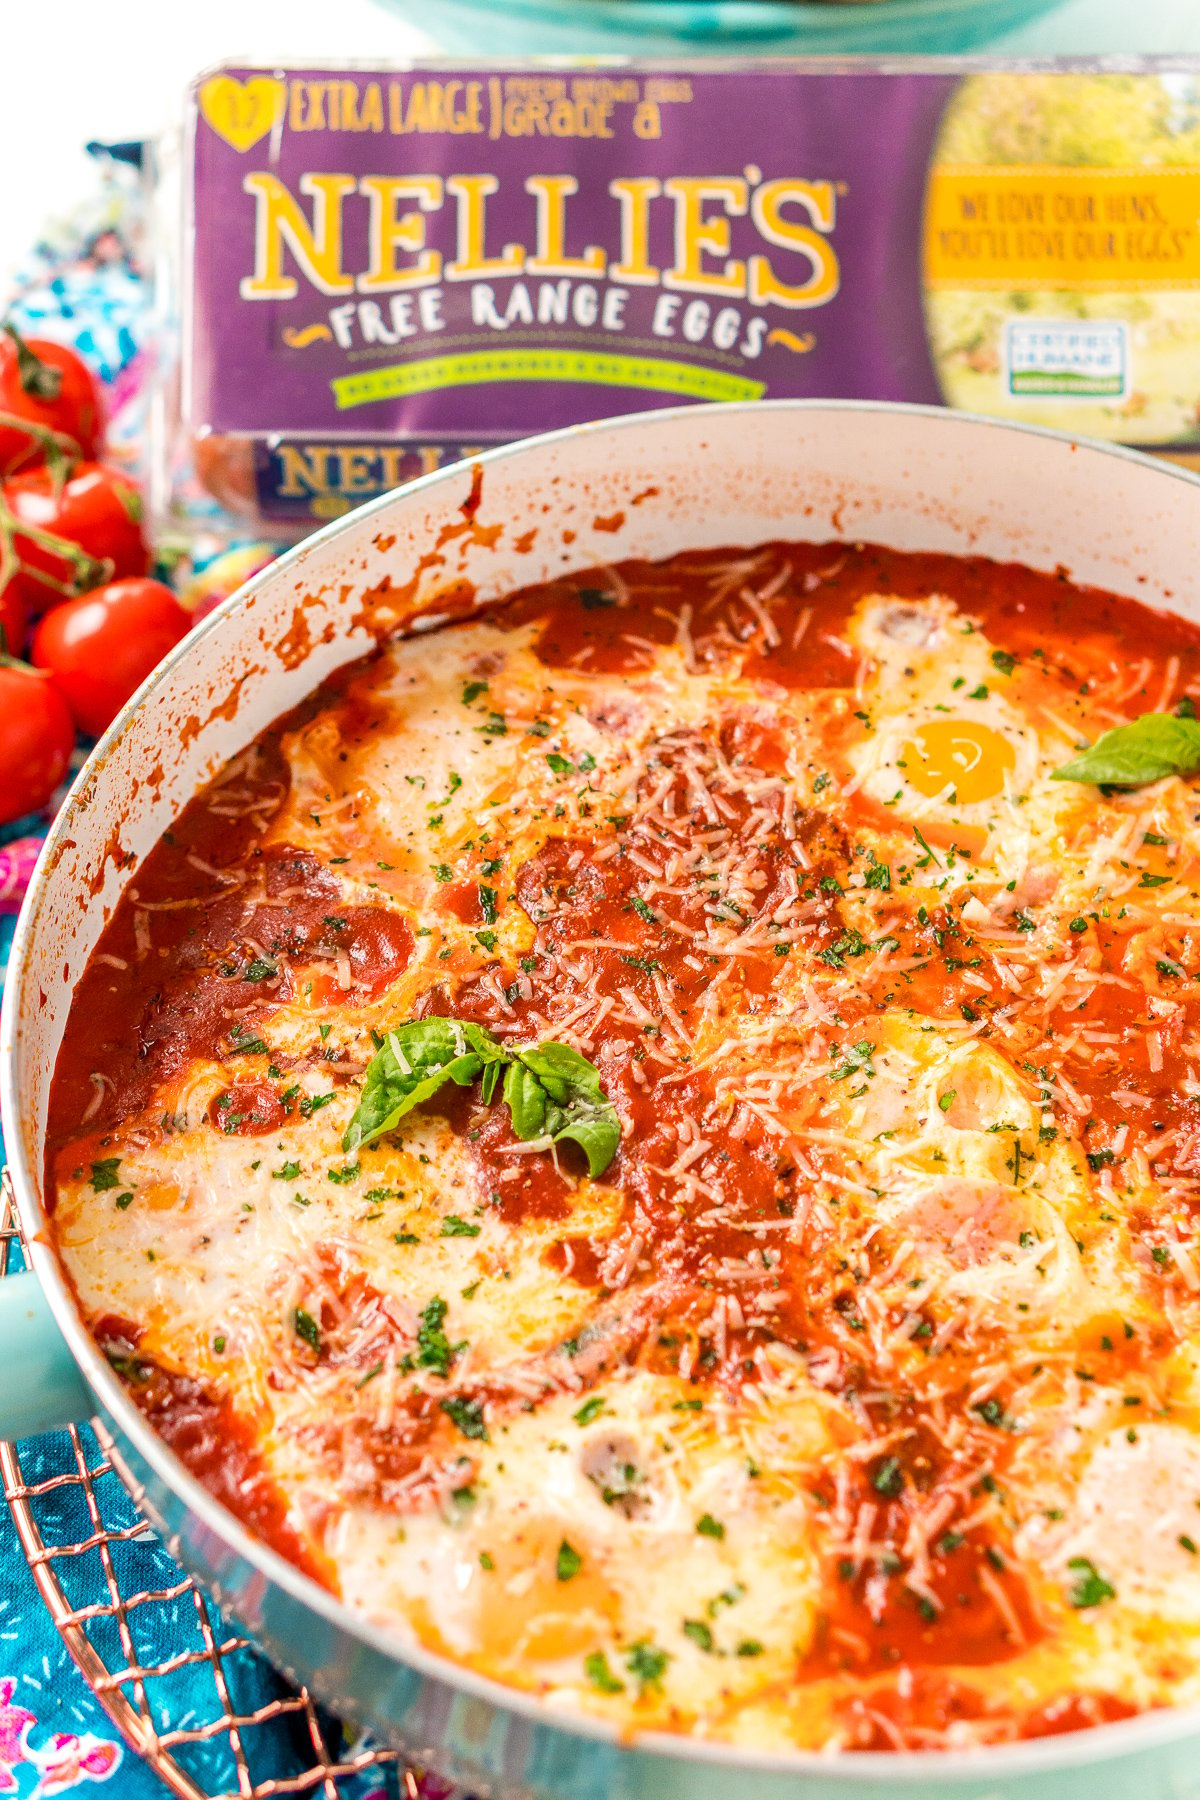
pixel 389 232
pixel 699 234
pixel 551 193
pixel 819 202
pixel 280 219
pixel 635 192
pixel 471 193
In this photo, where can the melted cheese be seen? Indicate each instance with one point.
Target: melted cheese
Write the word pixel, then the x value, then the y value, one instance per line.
pixel 875 1349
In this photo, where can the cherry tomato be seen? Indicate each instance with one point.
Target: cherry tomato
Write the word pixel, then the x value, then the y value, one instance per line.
pixel 36 740
pixel 13 619
pixel 95 510
pixel 49 402
pixel 101 647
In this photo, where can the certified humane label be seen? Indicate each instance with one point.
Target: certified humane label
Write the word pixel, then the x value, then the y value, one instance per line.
pixel 1080 358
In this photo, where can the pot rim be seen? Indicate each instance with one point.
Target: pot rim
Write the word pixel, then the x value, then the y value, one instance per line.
pixel 932 1768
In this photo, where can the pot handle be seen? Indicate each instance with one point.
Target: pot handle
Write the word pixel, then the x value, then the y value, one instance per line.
pixel 41 1388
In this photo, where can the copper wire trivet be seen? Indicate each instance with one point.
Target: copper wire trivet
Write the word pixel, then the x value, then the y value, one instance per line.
pixel 68 1526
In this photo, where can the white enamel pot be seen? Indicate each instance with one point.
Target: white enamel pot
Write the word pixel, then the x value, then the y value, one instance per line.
pixel 649 485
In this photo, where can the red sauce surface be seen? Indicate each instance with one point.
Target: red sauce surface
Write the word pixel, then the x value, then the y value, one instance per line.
pixel 264 915
pixel 195 955
pixel 212 1441
pixel 930 1703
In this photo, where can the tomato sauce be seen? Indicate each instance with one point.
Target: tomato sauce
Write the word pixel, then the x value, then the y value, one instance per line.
pixel 930 1704
pixel 218 927
pixel 200 948
pixel 213 1442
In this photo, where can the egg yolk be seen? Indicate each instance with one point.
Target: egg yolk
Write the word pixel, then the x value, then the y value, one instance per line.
pixel 962 754
pixel 529 1610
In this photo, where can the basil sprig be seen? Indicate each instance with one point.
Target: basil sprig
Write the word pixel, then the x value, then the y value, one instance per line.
pixel 1131 756
pixel 551 1090
pixel 415 1061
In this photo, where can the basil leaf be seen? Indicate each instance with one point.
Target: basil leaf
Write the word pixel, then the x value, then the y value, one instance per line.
pixel 415 1061
pixel 551 1090
pixel 492 1075
pixel 1132 755
pixel 554 1091
pixel 525 1098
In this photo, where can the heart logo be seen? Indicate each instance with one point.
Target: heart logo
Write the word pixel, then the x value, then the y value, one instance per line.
pixel 242 112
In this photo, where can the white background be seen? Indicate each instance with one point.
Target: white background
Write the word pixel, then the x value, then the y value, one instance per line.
pixel 74 70
pixel 71 70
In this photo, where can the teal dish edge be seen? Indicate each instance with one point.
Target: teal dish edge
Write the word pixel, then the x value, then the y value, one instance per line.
pixel 717 27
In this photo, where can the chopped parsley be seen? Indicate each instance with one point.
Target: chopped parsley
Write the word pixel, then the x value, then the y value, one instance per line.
pixel 930 856
pixel 1089 1587
pixel 312 1103
pixel 433 1346
pixel 467 1415
pixel 856 1060
pixel 646 1663
pixel 646 964
pixel 851 943
pixel 888 1478
pixel 260 968
pixel 568 1562
pixel 453 1226
pixel 595 1667
pixel 993 1413
pixel 306 1327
